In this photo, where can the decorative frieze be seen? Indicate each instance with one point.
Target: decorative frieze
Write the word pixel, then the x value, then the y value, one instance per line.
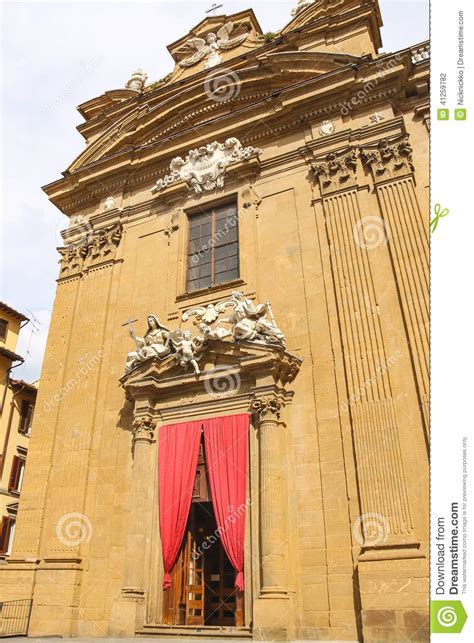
pixel 204 168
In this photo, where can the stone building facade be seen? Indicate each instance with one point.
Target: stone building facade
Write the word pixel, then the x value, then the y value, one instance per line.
pixel 312 148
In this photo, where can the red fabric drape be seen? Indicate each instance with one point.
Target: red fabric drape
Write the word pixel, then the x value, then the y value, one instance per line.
pixel 226 446
pixel 178 450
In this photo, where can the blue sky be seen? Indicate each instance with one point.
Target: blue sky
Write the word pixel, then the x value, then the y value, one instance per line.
pixel 56 55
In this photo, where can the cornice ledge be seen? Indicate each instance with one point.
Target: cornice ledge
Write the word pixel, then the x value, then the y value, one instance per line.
pixel 160 374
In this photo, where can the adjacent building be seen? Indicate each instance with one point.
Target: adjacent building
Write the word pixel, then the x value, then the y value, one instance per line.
pixel 17 404
pixel 231 434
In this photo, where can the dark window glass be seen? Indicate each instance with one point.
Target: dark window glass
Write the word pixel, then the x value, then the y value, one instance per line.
pixel 213 249
pixel 3 328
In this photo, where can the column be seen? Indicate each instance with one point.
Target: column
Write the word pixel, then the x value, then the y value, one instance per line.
pixel 129 609
pixel 273 497
pixel 143 438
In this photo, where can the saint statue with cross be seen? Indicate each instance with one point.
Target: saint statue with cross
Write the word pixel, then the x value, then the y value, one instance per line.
pixel 155 342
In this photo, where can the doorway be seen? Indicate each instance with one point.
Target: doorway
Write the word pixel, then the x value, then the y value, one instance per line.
pixel 202 591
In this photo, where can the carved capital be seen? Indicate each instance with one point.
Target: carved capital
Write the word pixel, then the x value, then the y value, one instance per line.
pixel 389 158
pixel 336 170
pixel 143 428
pixel 266 409
pixel 72 259
pixel 103 244
pixel 92 248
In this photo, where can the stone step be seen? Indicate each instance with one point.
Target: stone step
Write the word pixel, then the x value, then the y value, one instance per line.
pixel 210 632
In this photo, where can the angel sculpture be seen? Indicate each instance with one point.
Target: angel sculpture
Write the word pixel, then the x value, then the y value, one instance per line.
pixel 187 348
pixel 211 45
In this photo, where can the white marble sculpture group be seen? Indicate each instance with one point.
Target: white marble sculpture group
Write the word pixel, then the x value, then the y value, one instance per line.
pixel 246 322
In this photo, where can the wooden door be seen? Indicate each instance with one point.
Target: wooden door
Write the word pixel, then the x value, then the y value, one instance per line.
pixel 195 588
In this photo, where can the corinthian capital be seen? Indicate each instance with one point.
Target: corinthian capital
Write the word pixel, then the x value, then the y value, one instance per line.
pixel 143 428
pixel 266 408
pixel 389 158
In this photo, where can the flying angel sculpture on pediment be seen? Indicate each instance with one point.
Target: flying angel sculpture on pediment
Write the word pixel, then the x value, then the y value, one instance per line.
pixel 210 47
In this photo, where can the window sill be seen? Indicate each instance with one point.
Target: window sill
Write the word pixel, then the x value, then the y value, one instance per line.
pixel 211 289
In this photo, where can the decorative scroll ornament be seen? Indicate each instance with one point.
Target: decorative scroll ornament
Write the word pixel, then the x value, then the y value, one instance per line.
pixel 210 47
pixel 143 428
pixel 137 80
pixel 266 408
pixel 336 170
pixel 204 168
pixel 302 4
pixel 389 157
pixel 246 322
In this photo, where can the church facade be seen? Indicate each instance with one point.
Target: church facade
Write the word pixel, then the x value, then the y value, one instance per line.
pixel 231 436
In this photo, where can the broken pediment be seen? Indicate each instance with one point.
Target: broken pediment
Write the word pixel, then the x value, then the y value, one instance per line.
pixel 237 339
pixel 227 369
pixel 216 39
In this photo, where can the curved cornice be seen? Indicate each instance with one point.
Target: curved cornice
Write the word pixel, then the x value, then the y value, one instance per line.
pixel 148 123
pixel 282 109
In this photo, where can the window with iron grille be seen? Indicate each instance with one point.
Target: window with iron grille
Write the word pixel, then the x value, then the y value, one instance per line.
pixel 213 248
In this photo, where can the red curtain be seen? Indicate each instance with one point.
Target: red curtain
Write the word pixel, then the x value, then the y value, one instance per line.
pixel 226 446
pixel 178 450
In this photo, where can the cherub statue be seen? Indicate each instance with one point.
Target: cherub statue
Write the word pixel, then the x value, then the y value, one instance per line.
pixel 213 333
pixel 155 343
pixel 211 45
pixel 250 322
pixel 187 348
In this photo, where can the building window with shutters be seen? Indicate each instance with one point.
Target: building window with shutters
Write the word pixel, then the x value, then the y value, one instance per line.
pixel 26 417
pixel 213 247
pixel 16 475
pixel 6 535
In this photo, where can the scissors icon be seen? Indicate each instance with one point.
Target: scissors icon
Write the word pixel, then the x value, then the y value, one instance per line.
pixel 439 214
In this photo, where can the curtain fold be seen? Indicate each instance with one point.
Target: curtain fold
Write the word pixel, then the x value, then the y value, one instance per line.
pixel 178 450
pixel 226 447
